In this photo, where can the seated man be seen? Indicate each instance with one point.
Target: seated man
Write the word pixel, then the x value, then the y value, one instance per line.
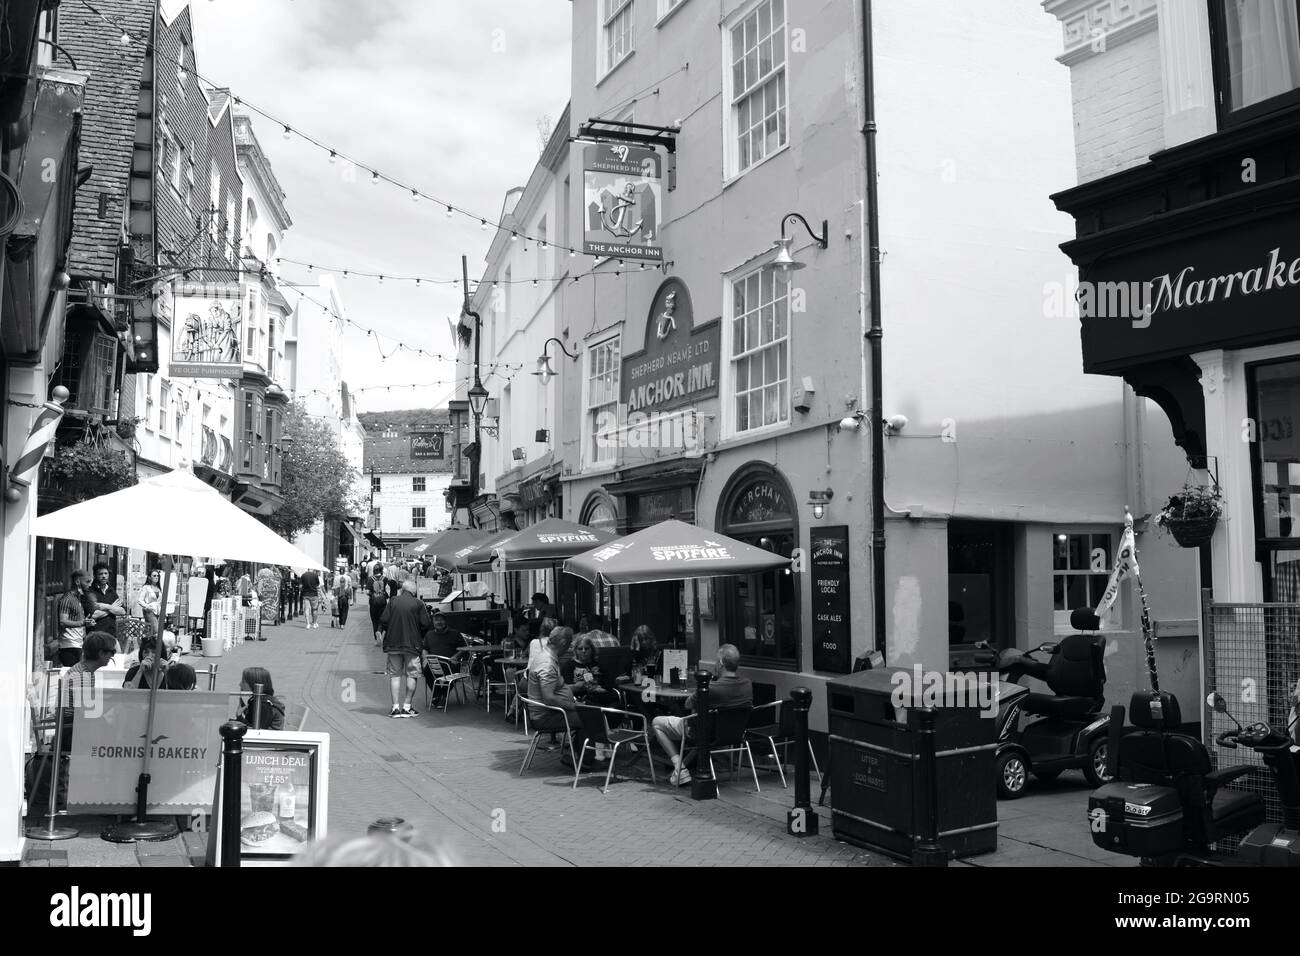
pixel 441 639
pixel 728 690
pixel 546 686
pixel 79 679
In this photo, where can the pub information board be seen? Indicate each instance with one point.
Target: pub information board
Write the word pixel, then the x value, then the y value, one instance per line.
pixel 830 599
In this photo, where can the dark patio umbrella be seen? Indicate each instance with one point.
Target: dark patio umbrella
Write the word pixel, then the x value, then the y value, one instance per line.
pixel 439 547
pixel 476 557
pixel 541 545
pixel 671 551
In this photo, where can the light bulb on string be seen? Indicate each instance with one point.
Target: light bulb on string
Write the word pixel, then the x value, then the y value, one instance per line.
pixel 288 133
pixel 448 212
pixel 374 179
pixel 415 196
pixel 333 157
pixel 572 253
pixel 483 224
pixel 514 237
pixel 124 39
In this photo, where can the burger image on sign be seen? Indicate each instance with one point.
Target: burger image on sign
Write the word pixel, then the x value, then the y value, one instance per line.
pixel 256 828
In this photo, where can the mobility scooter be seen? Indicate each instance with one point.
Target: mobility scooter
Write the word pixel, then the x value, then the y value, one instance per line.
pixel 1044 734
pixel 1168 806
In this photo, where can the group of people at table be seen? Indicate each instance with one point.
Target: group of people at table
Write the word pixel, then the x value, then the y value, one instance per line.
pixel 555 667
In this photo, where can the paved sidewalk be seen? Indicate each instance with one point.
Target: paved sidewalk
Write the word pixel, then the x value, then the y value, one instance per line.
pixel 455 776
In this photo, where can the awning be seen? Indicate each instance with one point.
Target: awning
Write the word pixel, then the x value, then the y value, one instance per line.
pixel 374 539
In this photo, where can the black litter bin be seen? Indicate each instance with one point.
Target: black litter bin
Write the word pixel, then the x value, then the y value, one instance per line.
pixel 874 756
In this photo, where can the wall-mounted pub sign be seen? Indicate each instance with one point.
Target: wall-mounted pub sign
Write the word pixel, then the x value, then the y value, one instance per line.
pixel 679 364
pixel 830 599
pixel 426 446
pixel 622 197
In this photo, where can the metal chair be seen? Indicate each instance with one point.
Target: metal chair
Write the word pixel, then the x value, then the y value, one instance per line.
pixel 295 716
pixel 766 724
pixel 729 726
pixel 595 725
pixel 537 735
pixel 505 685
pixel 441 673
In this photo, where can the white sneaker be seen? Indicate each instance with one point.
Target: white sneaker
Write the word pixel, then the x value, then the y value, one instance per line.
pixel 680 778
pixel 601 753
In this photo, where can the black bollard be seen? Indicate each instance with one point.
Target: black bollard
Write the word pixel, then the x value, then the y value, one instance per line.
pixel 703 786
pixel 232 765
pixel 802 820
pixel 255 707
pixel 925 795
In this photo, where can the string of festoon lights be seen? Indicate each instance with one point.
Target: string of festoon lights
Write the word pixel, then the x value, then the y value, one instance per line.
pixel 535 281
pixel 399 345
pixel 125 36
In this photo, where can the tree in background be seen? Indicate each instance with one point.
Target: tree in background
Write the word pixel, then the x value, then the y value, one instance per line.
pixel 316 479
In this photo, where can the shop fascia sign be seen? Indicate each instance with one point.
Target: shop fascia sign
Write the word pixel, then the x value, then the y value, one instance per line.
pixel 680 362
pixel 1233 288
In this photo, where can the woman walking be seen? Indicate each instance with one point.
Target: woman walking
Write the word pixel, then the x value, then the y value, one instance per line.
pixel 151 600
pixel 378 588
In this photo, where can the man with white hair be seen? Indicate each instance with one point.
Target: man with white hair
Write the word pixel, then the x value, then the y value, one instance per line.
pixel 728 689
pixel 403 625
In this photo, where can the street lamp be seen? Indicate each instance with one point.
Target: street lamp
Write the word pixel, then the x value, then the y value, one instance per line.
pixel 544 370
pixel 784 260
pixel 478 396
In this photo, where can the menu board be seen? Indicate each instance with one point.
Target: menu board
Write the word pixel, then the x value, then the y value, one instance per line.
pixel 830 599
pixel 275 800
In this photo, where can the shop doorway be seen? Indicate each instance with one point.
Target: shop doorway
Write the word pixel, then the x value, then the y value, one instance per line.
pixel 981 586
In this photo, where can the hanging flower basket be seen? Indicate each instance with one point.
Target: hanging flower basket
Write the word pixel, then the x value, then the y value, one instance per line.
pixel 1191 515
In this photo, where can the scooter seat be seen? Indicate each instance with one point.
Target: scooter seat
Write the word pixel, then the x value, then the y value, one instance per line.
pixel 1235 810
pixel 1049 705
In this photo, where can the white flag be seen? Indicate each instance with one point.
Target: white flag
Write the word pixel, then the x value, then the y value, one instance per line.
pixel 1125 564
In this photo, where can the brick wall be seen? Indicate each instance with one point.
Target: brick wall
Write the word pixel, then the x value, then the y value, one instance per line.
pixel 1118 107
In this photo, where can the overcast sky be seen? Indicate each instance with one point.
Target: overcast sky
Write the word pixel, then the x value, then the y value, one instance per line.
pixel 444 95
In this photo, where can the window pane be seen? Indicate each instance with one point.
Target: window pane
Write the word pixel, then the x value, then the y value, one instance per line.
pixel 1060 552
pixel 1076 591
pixel 751 330
pixel 764 20
pixel 742 413
pixel 782 362
pixel 756 408
pixel 1058 592
pixel 769 365
pixel 780 328
pixel 778 47
pixel 1263 44
pixel 1101 542
pixel 742 375
pixel 1077 556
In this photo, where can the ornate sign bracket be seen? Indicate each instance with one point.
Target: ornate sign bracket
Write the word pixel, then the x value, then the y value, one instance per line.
pixel 639 134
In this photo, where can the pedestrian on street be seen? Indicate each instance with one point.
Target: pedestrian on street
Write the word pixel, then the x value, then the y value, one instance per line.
pixel 310 582
pixel 403 625
pixel 151 600
pixel 73 618
pixel 343 595
pixel 378 598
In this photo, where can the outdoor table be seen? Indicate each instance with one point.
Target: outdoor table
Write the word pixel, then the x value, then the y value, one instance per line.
pixel 671 698
pixel 480 650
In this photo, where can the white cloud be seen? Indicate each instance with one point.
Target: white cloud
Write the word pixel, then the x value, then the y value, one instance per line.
pixel 442 95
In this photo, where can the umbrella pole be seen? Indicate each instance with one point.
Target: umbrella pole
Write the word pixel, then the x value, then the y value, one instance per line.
pixel 141 830
pixel 1147 639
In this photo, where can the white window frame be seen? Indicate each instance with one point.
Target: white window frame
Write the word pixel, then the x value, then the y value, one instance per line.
pixel 727 374
pixel 164 407
pixel 589 460
pixel 1114 621
pixel 604 21
pixel 103 361
pixel 422 517
pixel 422 484
pixel 148 402
pixel 668 7
pixel 731 168
pixel 376 483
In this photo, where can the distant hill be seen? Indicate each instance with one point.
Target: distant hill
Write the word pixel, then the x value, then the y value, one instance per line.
pixel 403 418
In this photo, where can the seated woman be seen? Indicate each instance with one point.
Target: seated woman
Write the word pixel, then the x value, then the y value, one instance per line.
pixel 272 706
pixel 583 675
pixel 140 674
pixel 645 649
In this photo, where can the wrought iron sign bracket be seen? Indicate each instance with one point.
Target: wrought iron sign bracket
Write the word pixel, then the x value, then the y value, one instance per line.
pixel 638 134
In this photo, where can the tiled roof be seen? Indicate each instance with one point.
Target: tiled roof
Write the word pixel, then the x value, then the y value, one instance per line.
pixel 108 122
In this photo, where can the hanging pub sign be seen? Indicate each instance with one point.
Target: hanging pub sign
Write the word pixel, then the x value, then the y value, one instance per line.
pixel 679 364
pixel 830 599
pixel 207 322
pixel 622 193
pixel 426 446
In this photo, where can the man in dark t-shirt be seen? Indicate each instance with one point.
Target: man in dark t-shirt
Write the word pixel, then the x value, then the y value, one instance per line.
pixel 310 582
pixel 729 690
pixel 443 640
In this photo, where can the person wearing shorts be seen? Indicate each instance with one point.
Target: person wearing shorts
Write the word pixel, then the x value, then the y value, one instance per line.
pixel 403 625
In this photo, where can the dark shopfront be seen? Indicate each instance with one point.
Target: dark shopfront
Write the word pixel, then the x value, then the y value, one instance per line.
pixel 669 608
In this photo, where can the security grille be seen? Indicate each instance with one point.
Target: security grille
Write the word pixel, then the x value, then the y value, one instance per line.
pixel 1252 658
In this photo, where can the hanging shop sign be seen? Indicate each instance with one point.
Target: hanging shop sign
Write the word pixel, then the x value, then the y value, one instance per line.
pixel 622 196
pixel 426 446
pixel 207 322
pixel 680 361
pixel 1232 288
pixel 830 599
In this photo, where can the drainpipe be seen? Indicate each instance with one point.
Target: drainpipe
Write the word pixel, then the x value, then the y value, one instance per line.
pixel 876 413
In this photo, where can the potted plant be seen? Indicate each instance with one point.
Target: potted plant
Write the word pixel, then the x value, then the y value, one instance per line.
pixel 85 471
pixel 126 427
pixel 1191 515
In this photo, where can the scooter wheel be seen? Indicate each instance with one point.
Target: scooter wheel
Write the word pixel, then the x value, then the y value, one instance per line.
pixel 1095 769
pixel 1012 775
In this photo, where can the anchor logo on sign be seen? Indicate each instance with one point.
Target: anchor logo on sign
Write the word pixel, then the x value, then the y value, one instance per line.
pixel 615 213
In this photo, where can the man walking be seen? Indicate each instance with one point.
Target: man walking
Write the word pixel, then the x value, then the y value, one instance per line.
pixel 310 582
pixel 403 625
pixel 343 595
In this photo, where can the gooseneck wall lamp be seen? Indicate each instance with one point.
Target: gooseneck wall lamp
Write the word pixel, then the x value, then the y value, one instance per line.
pixel 544 370
pixel 784 260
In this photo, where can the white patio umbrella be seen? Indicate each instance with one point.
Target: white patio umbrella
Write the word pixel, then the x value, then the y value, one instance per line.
pixel 175 513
